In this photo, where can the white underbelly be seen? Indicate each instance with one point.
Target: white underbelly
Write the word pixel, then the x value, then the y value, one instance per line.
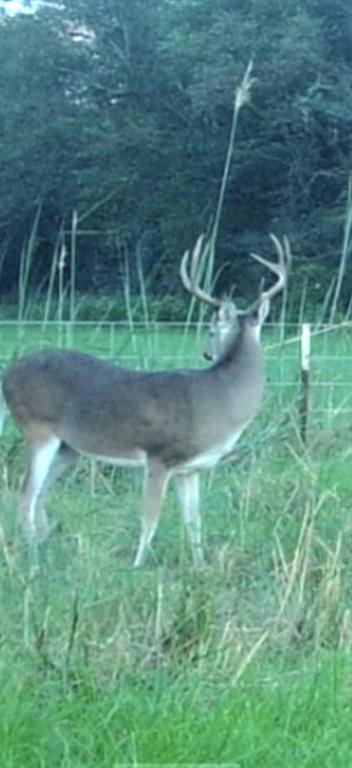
pixel 139 459
pixel 206 460
pixel 210 458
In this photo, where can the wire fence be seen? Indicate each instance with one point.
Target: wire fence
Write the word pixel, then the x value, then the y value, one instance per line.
pixel 156 345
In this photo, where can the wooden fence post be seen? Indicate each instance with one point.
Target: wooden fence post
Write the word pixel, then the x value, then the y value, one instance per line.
pixel 303 404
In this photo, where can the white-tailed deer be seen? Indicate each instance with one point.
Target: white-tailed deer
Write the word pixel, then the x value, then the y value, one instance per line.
pixel 170 422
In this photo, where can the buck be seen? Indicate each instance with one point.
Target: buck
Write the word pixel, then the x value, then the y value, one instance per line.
pixel 172 423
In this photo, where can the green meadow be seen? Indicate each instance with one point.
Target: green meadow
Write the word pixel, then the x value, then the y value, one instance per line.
pixel 246 662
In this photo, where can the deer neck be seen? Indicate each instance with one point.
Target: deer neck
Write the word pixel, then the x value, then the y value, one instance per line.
pixel 240 377
pixel 242 351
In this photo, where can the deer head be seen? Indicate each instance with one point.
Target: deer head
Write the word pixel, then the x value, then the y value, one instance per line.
pixel 226 319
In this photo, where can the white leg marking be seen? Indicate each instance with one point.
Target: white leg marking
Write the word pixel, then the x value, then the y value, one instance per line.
pixel 188 490
pixel 155 483
pixel 147 534
pixel 40 464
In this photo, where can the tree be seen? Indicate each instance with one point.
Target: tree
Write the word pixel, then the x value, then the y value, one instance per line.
pixel 122 111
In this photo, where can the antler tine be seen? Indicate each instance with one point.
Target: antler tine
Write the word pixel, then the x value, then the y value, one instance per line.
pixel 280 268
pixel 195 261
pixel 190 281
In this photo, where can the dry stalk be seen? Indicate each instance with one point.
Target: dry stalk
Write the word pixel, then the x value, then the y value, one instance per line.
pixel 92 477
pixel 305 559
pixel 281 565
pixel 9 559
pixel 97 477
pixel 159 612
pixel 232 643
pixel 73 631
pixel 226 644
pixel 252 653
pixel 302 459
pixel 296 572
pixel 39 642
pixel 27 599
pixel 345 634
pixel 293 570
pixel 330 591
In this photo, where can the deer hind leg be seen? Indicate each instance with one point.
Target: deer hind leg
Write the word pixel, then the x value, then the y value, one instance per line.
pixel 42 455
pixel 63 459
pixel 188 491
pixel 155 483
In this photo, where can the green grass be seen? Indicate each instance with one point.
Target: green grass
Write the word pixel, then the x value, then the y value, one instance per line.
pixel 163 719
pixel 247 662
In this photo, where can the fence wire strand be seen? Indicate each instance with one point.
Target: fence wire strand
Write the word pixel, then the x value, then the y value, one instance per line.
pixel 158 344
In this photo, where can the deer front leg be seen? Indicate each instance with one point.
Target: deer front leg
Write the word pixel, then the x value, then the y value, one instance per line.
pixel 188 491
pixel 63 460
pixel 42 456
pixel 155 483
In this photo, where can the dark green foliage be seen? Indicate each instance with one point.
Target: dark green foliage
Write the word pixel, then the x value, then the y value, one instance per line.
pixel 131 130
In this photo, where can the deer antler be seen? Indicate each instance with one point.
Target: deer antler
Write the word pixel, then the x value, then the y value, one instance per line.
pixel 279 268
pixel 190 280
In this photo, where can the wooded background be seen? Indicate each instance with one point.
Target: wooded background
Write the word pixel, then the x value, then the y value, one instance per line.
pixel 121 110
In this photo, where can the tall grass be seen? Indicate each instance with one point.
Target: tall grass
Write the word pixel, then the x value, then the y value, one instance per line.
pixel 73 266
pixel 207 248
pixel 26 263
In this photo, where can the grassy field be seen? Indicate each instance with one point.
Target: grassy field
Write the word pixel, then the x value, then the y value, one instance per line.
pixel 245 663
